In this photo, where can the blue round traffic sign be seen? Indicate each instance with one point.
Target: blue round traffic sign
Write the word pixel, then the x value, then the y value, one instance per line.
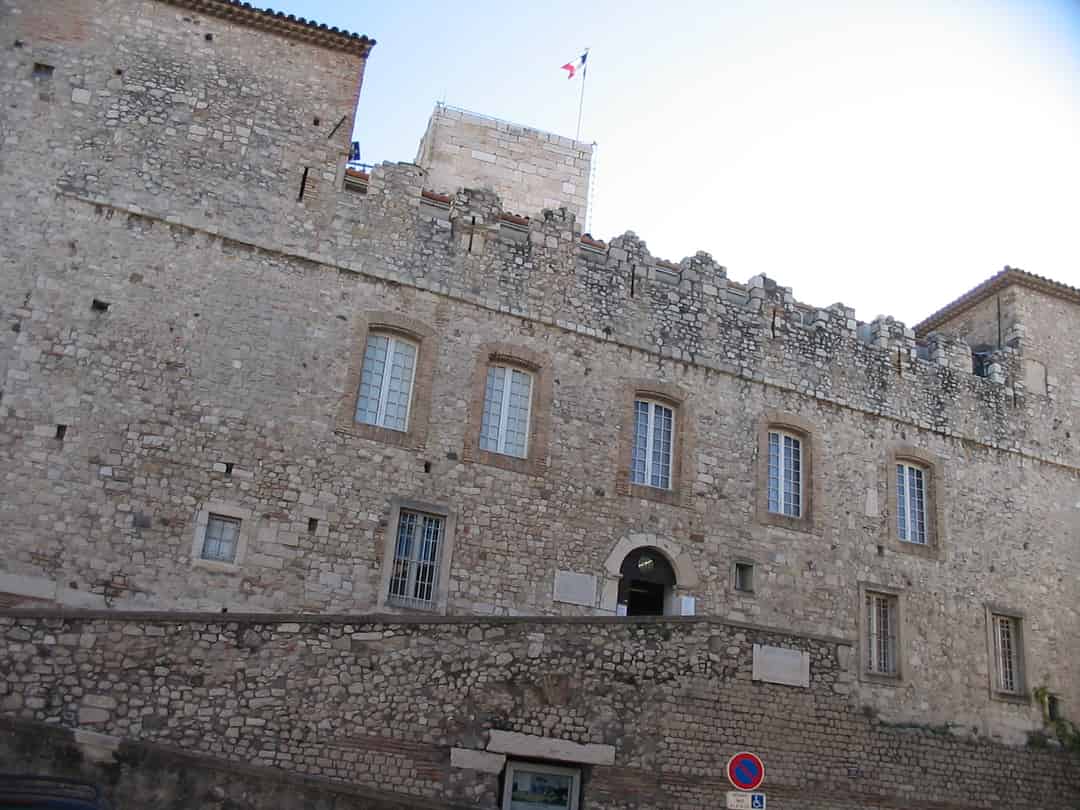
pixel 746 771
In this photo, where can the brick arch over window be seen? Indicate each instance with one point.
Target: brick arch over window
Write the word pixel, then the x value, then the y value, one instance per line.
pixel 538 365
pixel 415 434
pixel 682 461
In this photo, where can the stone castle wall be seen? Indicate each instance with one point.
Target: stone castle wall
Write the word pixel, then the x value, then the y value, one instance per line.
pixel 220 371
pixel 650 710
pixel 529 170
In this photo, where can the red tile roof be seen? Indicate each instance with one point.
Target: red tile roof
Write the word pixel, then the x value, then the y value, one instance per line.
pixel 285 24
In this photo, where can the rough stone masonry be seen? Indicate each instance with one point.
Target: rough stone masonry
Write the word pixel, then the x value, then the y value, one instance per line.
pixel 189 282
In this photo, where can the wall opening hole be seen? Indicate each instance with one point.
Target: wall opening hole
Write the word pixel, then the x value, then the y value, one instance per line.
pixel 312 525
pixel 1053 708
pixel 99 306
pixel 303 185
pixel 315 121
pixel 208 37
pixel 18 43
pixel 119 71
pixel 61 432
pixel 744 577
pixel 647 582
pixel 42 71
pixel 228 468
pixel 881 551
pixel 427 466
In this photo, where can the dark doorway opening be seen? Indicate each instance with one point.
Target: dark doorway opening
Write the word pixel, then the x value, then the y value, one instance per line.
pixel 646 584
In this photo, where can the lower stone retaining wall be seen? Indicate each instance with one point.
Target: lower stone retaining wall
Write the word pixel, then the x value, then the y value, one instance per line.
pixel 650 709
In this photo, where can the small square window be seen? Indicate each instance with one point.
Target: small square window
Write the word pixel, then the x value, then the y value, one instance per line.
pixel 220 539
pixel 543 787
pixel 744 577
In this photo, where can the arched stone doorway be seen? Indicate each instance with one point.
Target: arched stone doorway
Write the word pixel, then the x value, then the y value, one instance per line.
pixel 646 583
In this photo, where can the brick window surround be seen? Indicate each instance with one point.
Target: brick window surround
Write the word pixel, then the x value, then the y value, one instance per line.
pixel 931 466
pixel 1021 693
pixel 537 364
pixel 415 436
pixel 682 454
pixel 865 675
pixel 810 482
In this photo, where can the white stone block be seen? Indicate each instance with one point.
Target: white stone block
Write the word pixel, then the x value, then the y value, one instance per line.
pixel 483 761
pixel 781 665
pixel 80 95
pixel 527 745
pixel 575 589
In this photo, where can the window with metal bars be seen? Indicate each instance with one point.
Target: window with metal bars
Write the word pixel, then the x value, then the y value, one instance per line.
pixel 911 503
pixel 1008 677
pixel 504 426
pixel 882 615
pixel 219 540
pixel 785 474
pixel 386 382
pixel 651 452
pixel 417 552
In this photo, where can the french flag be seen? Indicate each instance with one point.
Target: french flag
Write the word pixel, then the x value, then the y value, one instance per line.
pixel 572 68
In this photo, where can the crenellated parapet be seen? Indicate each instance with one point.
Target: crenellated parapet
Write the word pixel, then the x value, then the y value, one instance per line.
pixel 542 267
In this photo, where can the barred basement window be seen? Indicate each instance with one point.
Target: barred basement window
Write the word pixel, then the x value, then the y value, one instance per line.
pixel 219 542
pixel 1007 659
pixel 882 617
pixel 785 474
pixel 911 503
pixel 417 552
pixel 651 454
pixel 505 423
pixel 386 382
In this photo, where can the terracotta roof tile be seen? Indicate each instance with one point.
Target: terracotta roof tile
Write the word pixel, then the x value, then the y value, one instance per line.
pixel 285 24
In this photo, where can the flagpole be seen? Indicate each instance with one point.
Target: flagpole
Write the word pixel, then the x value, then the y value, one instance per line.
pixel 581 102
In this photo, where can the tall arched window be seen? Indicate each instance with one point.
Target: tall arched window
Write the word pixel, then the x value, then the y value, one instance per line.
pixel 386 381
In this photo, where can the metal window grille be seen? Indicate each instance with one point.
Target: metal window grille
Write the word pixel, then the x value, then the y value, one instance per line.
pixel 219 541
pixel 507 404
pixel 414 577
pixel 650 456
pixel 881 618
pixel 386 382
pixel 911 503
pixel 1007 653
pixel 785 474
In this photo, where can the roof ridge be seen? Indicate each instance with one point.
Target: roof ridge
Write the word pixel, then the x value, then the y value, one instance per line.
pixel 287 25
pixel 996 282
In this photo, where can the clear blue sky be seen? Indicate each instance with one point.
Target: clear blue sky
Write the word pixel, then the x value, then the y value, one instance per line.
pixel 887 155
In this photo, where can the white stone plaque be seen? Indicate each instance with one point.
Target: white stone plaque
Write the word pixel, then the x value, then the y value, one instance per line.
pixel 575 589
pixel 781 665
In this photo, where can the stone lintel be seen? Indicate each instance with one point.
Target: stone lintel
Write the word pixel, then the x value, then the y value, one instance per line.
pixel 477 760
pixel 527 745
